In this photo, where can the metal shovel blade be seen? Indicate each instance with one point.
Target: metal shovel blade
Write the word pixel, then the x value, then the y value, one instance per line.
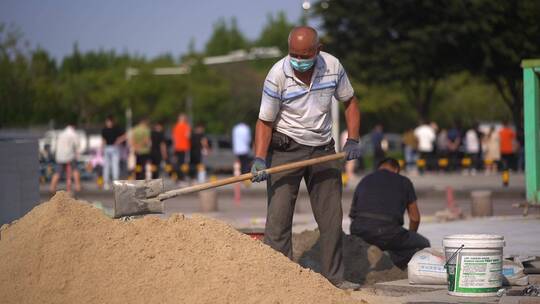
pixel 137 197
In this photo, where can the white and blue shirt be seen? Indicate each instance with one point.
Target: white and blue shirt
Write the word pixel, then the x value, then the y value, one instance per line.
pixel 300 111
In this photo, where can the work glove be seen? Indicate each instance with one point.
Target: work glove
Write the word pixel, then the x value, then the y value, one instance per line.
pixel 352 148
pixel 257 169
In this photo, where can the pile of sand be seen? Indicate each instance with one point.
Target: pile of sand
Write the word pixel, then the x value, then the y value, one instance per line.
pixel 65 251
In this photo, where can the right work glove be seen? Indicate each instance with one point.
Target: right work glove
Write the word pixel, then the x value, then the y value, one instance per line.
pixel 257 169
pixel 352 148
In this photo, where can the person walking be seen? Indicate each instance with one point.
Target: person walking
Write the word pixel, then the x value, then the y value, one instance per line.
pixel 492 150
pixel 294 124
pixel 241 140
pixel 454 142
pixel 158 152
pixel 473 148
pixel 379 203
pixel 112 137
pixel 66 155
pixel 199 148
pixel 507 136
pixel 141 144
pixel 182 143
pixel 425 134
pixel 410 146
pixel 442 144
pixel 441 150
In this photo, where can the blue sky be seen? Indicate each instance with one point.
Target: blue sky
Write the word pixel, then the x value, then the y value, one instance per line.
pixel 147 28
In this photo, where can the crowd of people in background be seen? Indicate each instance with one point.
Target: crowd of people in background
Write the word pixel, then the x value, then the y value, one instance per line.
pixel 430 148
pixel 151 152
pixel 427 147
pixel 146 151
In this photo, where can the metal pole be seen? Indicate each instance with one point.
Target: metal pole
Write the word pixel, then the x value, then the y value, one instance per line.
pixel 129 119
pixel 130 72
pixel 306 5
pixel 189 109
pixel 531 110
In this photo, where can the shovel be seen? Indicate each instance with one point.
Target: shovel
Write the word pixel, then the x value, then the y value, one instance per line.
pixel 139 197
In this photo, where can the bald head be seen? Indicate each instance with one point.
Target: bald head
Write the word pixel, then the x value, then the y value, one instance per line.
pixel 303 42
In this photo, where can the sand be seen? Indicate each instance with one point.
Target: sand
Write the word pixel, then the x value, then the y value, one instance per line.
pixel 65 251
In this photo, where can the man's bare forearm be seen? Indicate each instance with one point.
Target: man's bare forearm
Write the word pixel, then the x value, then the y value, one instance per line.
pixel 263 135
pixel 413 225
pixel 352 117
pixel 414 216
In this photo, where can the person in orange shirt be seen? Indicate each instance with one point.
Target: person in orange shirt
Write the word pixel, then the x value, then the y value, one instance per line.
pixel 182 142
pixel 507 136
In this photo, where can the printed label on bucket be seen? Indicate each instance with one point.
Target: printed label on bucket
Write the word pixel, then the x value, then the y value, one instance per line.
pixel 478 273
pixel 451 268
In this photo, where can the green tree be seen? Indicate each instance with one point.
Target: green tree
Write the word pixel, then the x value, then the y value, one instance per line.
pixel 466 98
pixel 44 87
pixel 419 42
pixel 275 32
pixel 506 33
pixel 15 83
pixel 156 97
pixel 412 42
pixel 225 38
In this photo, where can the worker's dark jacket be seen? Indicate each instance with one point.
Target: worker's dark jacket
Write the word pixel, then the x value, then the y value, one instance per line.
pixel 381 198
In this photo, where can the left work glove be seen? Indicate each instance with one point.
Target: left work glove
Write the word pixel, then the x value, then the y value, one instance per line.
pixel 352 148
pixel 257 169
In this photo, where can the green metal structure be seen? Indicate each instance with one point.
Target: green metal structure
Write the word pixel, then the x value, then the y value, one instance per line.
pixel 531 111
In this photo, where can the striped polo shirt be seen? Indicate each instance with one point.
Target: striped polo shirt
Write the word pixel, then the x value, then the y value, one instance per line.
pixel 303 112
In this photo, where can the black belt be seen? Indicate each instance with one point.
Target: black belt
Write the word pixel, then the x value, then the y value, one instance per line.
pixel 376 216
pixel 281 140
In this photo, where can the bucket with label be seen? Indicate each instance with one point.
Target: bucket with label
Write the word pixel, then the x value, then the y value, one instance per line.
pixel 473 264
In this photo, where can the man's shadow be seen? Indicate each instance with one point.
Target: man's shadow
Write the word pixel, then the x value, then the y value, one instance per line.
pixel 364 263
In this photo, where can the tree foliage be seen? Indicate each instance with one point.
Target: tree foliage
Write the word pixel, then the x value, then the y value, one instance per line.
pixel 418 43
pixel 407 59
pixel 412 42
pixel 275 32
pixel 225 38
pixel 506 33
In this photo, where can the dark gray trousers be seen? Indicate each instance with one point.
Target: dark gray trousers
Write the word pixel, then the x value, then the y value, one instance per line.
pixel 400 243
pixel 323 182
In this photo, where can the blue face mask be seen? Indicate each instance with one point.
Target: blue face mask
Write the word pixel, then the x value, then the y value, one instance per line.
pixel 302 65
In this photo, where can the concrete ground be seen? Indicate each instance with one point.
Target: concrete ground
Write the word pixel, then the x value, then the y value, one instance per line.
pixel 401 292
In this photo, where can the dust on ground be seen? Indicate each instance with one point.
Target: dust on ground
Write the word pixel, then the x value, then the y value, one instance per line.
pixel 65 251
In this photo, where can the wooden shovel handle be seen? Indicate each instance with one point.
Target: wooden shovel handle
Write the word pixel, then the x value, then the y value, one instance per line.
pixel 243 177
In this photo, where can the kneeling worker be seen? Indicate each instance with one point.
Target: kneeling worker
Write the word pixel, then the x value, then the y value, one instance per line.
pixel 379 202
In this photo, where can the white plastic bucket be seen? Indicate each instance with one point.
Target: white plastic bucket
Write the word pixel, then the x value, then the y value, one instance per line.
pixel 474 264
